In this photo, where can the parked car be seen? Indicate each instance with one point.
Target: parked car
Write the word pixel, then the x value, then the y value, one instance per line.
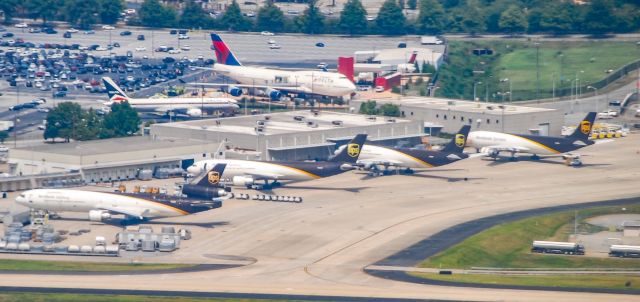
pixel 21 25
pixel 89 32
pixel 50 31
pixel 320 44
pixel 140 38
pixel 67 35
pixel 267 33
pixel 59 94
pixel 274 46
pixel 108 27
pixel 183 37
pixel 173 32
pixel 402 45
pixel 125 33
pixel 72 30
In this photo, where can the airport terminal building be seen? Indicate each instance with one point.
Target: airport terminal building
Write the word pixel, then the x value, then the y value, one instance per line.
pixel 452 114
pixel 294 135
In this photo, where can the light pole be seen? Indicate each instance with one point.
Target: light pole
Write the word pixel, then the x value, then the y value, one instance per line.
pixel 537 44
pixel 596 95
pixel 474 91
pixel 504 81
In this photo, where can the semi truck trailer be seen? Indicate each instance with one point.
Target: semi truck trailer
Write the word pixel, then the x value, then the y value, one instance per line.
pixel 553 247
pixel 625 251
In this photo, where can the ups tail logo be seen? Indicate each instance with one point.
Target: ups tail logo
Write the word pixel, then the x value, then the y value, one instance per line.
pixel 353 150
pixel 459 140
pixel 585 127
pixel 213 177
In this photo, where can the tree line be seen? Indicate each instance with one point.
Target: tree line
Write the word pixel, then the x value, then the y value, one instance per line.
pixel 430 16
pixel 69 121
pixel 82 13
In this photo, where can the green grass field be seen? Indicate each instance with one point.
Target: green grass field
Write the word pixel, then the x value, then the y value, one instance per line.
pixel 37 297
pixel 562 62
pixel 610 282
pixel 508 245
pixel 559 62
pixel 36 265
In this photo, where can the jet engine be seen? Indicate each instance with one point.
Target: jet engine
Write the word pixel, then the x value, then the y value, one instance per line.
pixel 242 181
pixel 235 91
pixel 204 192
pixel 194 112
pixel 347 167
pixel 491 152
pixel 274 94
pixel 99 215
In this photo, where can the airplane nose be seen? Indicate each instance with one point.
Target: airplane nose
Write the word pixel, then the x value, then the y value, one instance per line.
pixel 193 170
pixel 21 200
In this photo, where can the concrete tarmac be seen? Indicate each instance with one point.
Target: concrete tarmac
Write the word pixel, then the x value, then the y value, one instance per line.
pixel 321 246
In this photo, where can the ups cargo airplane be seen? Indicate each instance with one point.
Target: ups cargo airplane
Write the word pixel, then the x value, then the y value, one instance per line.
pixel 192 107
pixel 248 172
pixel 494 143
pixel 273 82
pixel 372 156
pixel 207 194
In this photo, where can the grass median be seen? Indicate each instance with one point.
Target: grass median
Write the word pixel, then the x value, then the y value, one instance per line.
pixel 38 265
pixel 507 246
pixel 37 297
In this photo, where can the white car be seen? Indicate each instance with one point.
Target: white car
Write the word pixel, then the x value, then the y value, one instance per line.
pixel 274 46
pixel 183 36
pixel 267 33
pixel 4 149
pixel 72 30
pixel 21 25
pixel 108 27
pixel 141 48
pixel 174 51
pixel 185 47
pixel 271 41
pixel 379 89
pixel 100 48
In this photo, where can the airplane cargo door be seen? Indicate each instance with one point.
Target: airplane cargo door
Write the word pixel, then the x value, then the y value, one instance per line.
pixel 544 129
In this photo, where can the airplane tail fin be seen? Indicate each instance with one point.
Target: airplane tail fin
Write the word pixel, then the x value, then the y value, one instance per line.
pixel 412 59
pixel 115 93
pixel 456 145
pixel 223 53
pixel 352 151
pixel 213 177
pixel 583 130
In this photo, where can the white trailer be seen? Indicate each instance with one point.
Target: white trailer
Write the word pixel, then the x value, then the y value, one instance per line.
pixel 628 251
pixel 6 125
pixel 553 247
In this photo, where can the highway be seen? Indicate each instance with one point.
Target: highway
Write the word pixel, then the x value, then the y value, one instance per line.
pixel 321 247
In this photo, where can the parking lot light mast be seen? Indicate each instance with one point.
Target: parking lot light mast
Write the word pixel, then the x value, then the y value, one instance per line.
pixel 474 91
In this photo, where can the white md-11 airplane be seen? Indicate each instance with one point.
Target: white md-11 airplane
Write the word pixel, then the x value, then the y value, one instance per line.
pixel 493 143
pixel 373 157
pixel 273 82
pixel 207 194
pixel 249 172
pixel 192 107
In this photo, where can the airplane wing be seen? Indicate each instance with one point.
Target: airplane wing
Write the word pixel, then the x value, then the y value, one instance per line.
pixel 299 89
pixel 263 176
pixel 379 161
pixel 125 211
pixel 494 151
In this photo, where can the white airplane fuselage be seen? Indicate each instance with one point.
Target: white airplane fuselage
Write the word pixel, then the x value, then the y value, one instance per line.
pixel 62 200
pixel 371 152
pixel 236 167
pixel 314 82
pixel 162 104
pixel 483 139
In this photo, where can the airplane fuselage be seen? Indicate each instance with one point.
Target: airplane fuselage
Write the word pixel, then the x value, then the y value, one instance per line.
pixel 538 145
pixel 166 104
pixel 143 205
pixel 408 158
pixel 312 82
pixel 278 170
